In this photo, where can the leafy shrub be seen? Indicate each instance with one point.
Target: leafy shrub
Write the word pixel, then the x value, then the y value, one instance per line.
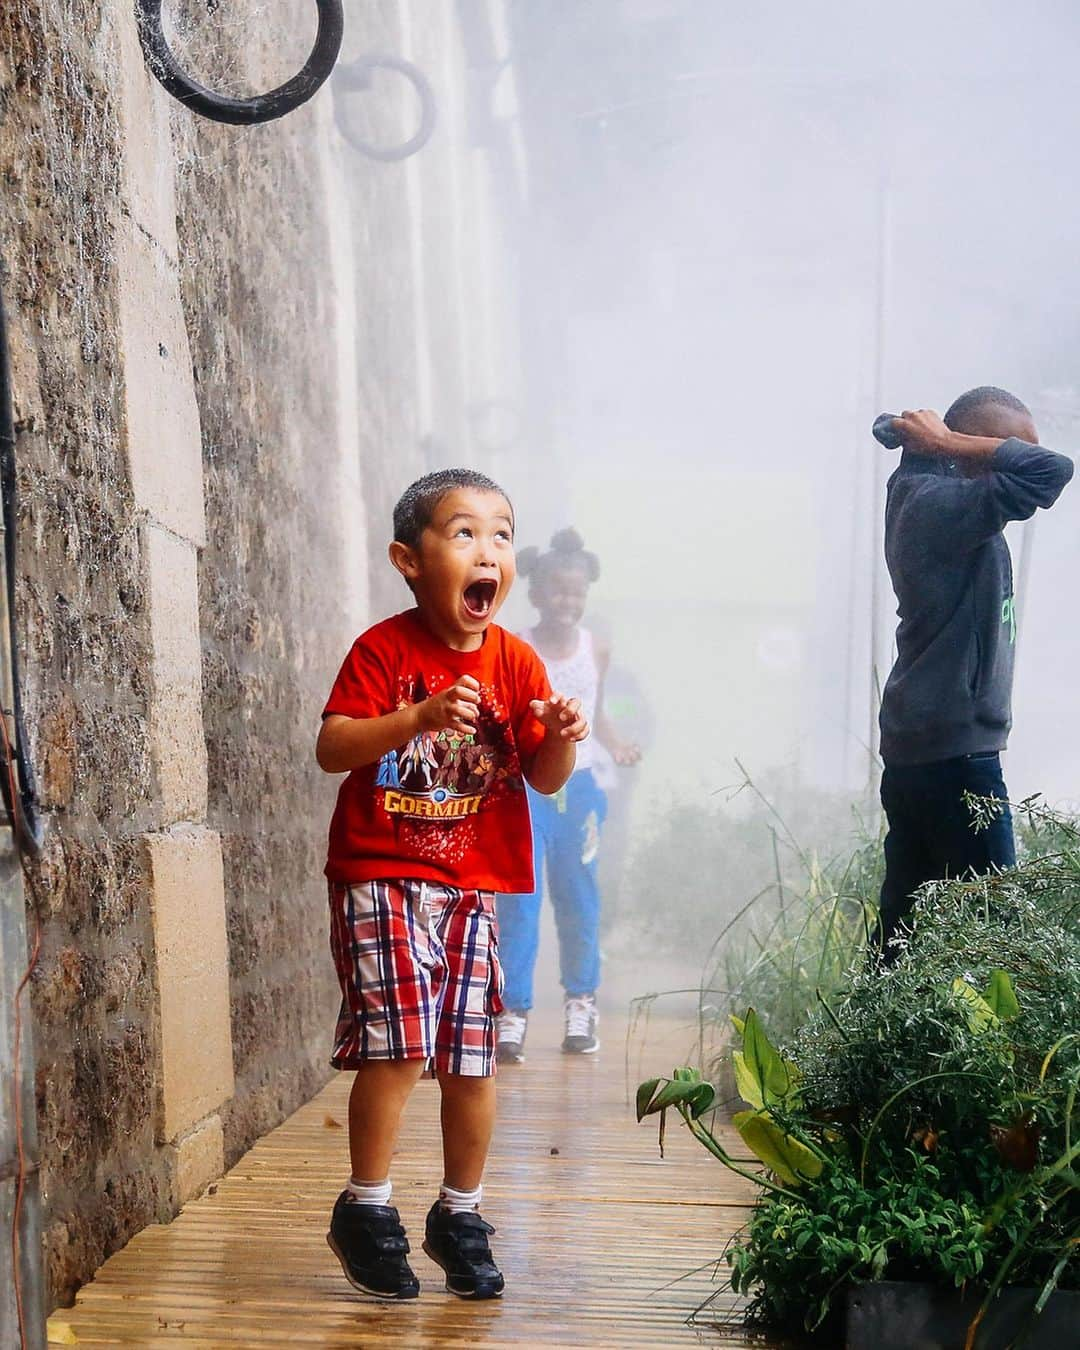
pixel 923 1125
pixel 793 945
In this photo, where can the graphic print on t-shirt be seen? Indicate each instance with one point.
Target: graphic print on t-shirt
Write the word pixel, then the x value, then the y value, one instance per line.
pixel 447 807
pixel 441 778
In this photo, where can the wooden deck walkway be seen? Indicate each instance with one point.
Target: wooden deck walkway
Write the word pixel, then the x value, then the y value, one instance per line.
pixel 592 1228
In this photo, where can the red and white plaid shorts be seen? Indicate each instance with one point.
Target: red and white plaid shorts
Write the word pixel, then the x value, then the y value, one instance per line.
pixel 418 966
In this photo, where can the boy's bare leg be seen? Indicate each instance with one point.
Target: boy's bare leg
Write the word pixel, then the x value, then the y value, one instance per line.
pixel 468 1119
pixel 455 1235
pixel 379 1093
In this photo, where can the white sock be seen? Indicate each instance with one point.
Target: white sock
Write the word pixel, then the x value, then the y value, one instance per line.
pixel 369 1192
pixel 459 1202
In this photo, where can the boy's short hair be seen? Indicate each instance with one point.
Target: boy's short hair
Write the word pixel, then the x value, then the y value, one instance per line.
pixel 964 410
pixel 419 502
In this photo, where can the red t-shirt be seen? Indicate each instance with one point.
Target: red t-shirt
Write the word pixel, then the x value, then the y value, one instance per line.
pixel 446 808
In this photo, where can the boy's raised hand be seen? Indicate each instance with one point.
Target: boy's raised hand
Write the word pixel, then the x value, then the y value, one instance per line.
pixel 561 716
pixel 922 431
pixel 455 709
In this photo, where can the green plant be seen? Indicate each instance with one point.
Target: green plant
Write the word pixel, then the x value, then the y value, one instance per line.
pixel 791 953
pixel 792 923
pixel 745 840
pixel 921 1125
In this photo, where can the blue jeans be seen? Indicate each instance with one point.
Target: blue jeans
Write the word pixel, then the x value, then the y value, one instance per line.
pixel 565 829
pixel 931 834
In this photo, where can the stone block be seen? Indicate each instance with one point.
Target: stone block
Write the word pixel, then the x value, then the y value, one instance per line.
pixel 197 1158
pixel 188 902
pixel 149 186
pixel 176 713
pixel 163 433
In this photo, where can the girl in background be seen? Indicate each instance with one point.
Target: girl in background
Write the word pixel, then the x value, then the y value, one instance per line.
pixel 566 827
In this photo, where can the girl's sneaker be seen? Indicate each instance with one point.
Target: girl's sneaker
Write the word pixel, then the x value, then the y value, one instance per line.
pixel 371 1245
pixel 459 1243
pixel 510 1028
pixel 581 1018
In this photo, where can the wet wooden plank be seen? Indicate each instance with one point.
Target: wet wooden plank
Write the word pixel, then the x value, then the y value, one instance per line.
pixel 603 1244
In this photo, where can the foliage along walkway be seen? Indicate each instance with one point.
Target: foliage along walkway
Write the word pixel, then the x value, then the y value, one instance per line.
pixel 593 1229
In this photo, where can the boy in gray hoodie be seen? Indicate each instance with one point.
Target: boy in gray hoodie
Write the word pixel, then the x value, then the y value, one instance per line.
pixel 946 708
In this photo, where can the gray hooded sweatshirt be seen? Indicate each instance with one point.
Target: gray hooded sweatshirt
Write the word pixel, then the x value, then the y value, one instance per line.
pixel 950 691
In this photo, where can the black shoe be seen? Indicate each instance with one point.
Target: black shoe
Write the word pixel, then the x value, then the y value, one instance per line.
pixel 580 1017
pixel 459 1243
pixel 370 1243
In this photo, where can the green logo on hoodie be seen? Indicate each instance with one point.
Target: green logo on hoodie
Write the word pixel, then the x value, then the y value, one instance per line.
pixel 1008 615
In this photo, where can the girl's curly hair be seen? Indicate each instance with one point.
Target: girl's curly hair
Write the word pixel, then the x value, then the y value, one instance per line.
pixel 567 550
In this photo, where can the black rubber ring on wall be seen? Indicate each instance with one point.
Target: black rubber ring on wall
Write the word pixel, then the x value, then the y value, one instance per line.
pixel 355 78
pixel 242 111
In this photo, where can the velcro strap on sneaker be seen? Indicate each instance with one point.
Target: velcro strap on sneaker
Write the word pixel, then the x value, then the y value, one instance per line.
pixel 464 1222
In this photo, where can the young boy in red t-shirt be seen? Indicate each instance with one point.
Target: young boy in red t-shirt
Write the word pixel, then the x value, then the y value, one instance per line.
pixel 440 717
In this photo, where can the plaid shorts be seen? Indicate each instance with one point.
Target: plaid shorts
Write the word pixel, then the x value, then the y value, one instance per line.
pixel 418 966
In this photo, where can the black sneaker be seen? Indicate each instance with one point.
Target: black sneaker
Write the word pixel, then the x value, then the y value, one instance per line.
pixel 510 1028
pixel 581 1017
pixel 459 1243
pixel 371 1245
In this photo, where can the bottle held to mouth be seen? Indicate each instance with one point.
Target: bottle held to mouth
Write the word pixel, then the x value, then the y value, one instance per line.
pixel 884 430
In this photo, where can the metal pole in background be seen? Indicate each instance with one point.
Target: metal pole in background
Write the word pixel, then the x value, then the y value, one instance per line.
pixel 878 578
pixel 1027 543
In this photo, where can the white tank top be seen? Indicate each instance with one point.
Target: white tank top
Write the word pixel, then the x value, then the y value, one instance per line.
pixel 577 676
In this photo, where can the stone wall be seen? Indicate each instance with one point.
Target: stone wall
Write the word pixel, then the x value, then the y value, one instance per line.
pixel 232 349
pixel 84 626
pixel 263 318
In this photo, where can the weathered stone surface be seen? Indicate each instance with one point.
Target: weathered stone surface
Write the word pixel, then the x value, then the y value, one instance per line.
pixel 176 725
pixel 192 976
pixel 83 634
pixel 161 416
pixel 198 1158
pixel 276 333
pixel 276 613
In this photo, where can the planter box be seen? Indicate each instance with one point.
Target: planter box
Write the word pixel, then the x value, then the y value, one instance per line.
pixel 900 1316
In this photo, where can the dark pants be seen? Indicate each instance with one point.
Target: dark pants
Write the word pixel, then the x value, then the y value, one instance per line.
pixel 931 830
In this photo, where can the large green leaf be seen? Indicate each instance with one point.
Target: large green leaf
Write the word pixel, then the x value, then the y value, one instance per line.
pixel 700 1099
pixel 645 1093
pixel 978 1012
pixel 748 1085
pixel 763 1065
pixel 684 1089
pixel 791 1160
pixel 1000 996
pixel 672 1093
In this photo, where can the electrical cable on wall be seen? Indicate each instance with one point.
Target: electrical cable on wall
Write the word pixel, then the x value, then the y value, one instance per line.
pixel 241 111
pixel 16 789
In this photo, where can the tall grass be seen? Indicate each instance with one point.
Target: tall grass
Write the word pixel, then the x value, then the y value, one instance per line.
pixel 795 948
pixel 785 940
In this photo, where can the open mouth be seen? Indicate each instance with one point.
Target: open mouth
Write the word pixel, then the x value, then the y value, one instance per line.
pixel 479 598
